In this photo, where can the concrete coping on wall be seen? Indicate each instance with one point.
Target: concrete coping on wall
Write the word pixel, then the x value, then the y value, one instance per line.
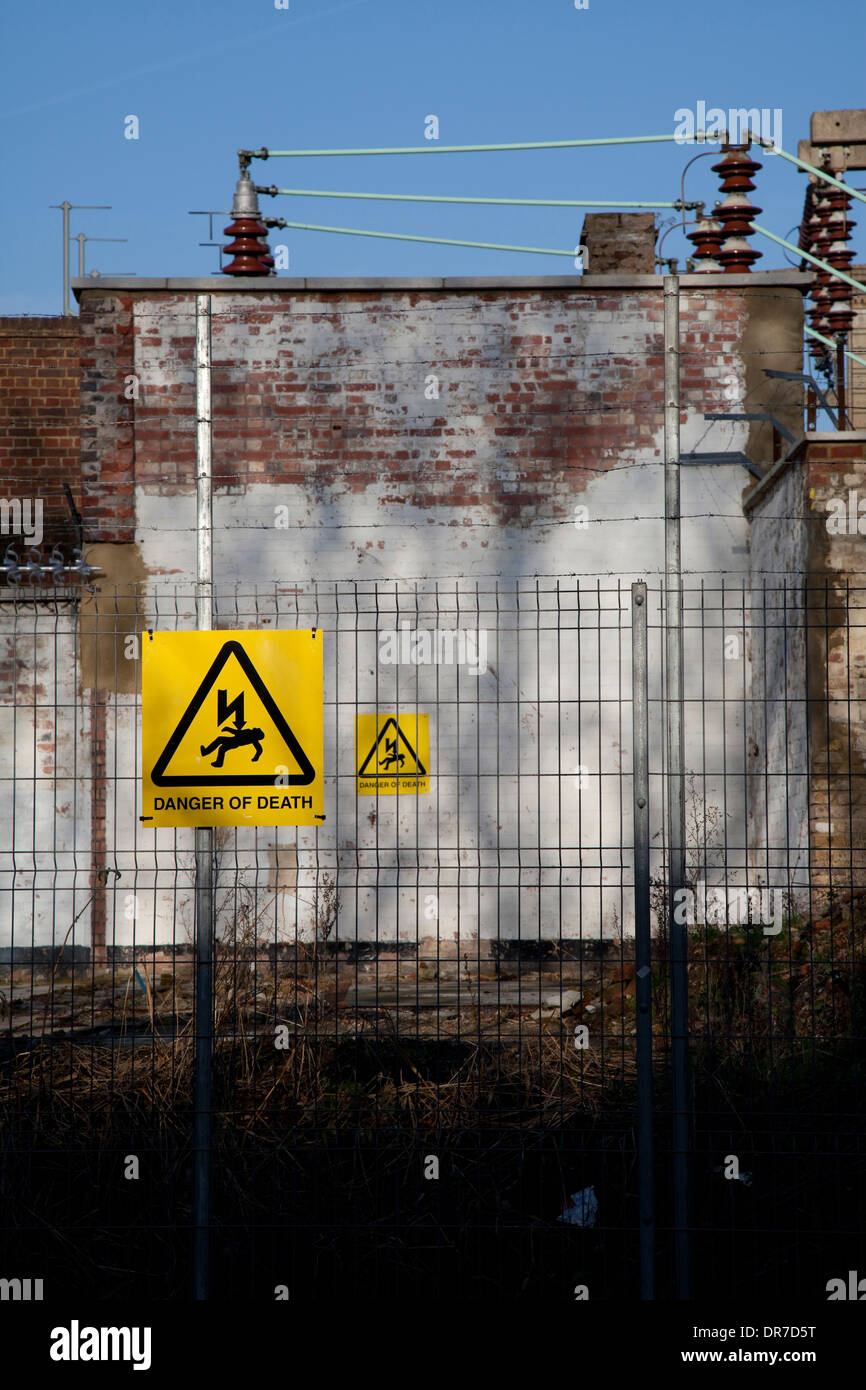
pixel 286 284
pixel 795 453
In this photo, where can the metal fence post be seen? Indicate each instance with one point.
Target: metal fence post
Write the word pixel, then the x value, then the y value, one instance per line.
pixel 642 940
pixel 204 865
pixel 674 709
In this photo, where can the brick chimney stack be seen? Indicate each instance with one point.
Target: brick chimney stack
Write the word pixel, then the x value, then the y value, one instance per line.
pixel 619 243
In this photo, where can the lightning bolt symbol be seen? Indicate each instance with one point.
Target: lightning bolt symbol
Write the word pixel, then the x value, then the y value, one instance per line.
pixel 226 709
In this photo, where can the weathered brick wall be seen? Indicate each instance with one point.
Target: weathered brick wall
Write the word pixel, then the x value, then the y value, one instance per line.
pixel 391 430
pixel 777 735
pixel 812 665
pixel 45 831
pixel 107 414
pixel 416 433
pixel 45 828
pixel 40 422
pixel 835 478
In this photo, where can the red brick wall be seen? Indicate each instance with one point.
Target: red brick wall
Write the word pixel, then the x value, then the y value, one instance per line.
pixel 107 454
pixel 836 693
pixel 40 420
pixel 326 390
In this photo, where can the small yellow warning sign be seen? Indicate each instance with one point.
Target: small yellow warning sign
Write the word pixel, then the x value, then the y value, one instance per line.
pixel 393 753
pixel 232 728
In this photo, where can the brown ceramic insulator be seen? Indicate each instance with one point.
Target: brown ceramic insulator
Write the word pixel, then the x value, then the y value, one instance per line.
pixel 837 197
pixel 840 236
pixel 737 253
pixel 839 214
pixel 249 247
pixel 841 318
pixel 817 349
pixel 707 237
pixel 836 290
pixel 839 226
pixel 819 310
pixel 821 240
pixel 820 325
pixel 735 169
pixel 821 284
pixel 816 225
pixel 736 213
pixel 831 313
pixel 821 298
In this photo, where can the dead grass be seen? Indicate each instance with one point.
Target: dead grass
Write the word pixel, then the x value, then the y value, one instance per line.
pixel 762 1002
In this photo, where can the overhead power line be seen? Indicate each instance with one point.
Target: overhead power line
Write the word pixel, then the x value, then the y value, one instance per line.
pixel 434 148
pixel 807 255
pixel 272 191
pixel 809 168
pixel 437 240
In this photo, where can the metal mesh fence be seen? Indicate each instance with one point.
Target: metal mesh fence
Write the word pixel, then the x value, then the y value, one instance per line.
pixel 424 1009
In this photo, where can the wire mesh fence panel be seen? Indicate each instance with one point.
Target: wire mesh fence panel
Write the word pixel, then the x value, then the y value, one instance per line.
pixel 773 902
pixel 424 1007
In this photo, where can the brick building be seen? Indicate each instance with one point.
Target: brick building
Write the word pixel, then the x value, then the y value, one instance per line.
pixel 405 438
pixel 807 539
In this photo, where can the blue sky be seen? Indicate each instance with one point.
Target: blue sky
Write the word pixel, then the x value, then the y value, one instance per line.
pixel 206 77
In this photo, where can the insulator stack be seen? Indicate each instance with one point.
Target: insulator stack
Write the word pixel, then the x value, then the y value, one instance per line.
pixel 839 255
pixel 735 212
pixel 804 241
pixel 249 246
pixel 818 241
pixel 707 238
pixel 825 233
pixel 812 231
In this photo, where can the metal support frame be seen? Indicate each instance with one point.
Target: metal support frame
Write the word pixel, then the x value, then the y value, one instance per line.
pixel 66 207
pixel 840 382
pixel 204 837
pixel 643 941
pixel 812 385
pixel 720 460
pixel 677 932
pixel 752 415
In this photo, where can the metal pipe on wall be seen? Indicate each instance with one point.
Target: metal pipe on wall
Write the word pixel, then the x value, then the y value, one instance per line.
pixel 204 860
pixel 677 932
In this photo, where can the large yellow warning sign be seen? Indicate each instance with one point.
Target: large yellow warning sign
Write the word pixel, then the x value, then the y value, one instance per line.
pixel 393 753
pixel 232 728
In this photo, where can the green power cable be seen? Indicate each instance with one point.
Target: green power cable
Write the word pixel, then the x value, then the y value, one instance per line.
pixel 443 198
pixel 812 169
pixel 813 333
pixel 433 148
pixel 807 255
pixel 436 240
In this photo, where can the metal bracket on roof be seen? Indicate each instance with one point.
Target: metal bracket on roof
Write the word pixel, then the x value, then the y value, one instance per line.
pixel 734 456
pixel 752 415
pixel 810 381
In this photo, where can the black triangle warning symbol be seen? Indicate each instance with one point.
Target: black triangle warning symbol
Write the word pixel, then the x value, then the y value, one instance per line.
pixel 240 737
pixel 392 747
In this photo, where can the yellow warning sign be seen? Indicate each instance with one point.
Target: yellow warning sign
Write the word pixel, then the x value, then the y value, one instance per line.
pixel 232 728
pixel 393 753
